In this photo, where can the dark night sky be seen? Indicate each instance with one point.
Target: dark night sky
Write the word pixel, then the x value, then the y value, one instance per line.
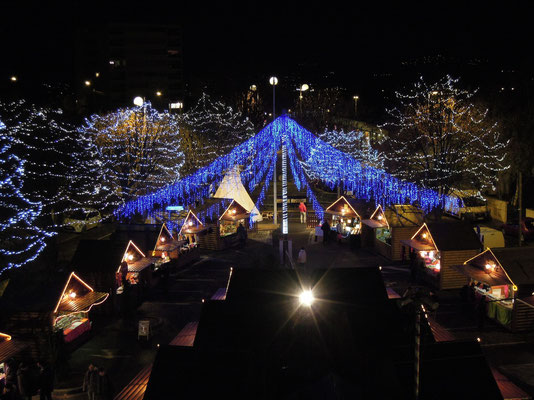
pixel 228 40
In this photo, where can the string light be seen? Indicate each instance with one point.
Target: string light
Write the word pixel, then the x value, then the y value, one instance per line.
pixel 443 140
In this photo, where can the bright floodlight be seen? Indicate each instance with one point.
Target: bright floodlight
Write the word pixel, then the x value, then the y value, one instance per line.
pixel 304 87
pixel 273 80
pixel 138 101
pixel 306 298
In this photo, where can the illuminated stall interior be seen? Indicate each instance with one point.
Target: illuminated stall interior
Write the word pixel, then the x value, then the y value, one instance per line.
pixel 343 211
pixel 191 227
pixel 71 314
pixel 234 215
pixel 137 262
pixel 424 244
pixel 505 276
pixel 383 230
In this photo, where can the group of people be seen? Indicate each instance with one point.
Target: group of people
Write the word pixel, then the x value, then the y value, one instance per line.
pixel 97 384
pixel 24 379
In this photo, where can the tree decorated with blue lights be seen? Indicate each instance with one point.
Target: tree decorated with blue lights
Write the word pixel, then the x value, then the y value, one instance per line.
pixel 442 140
pixel 21 240
pixel 209 130
pixel 133 151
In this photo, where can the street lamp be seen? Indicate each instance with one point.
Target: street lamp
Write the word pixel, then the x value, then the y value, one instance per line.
pixel 306 298
pixel 13 78
pixel 355 98
pixel 302 88
pixel 87 83
pixel 273 80
pixel 158 93
pixel 138 101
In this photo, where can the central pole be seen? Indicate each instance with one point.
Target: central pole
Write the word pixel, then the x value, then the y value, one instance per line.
pixel 284 196
pixel 275 195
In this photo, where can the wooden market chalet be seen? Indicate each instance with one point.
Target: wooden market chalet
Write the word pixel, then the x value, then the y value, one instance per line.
pixel 436 247
pixel 221 227
pixel 345 212
pixel 385 229
pixel 176 252
pixel 504 277
pixel 62 305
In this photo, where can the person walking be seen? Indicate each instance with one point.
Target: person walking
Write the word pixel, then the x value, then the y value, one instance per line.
pixel 24 380
pixel 104 388
pixel 89 381
pixel 301 259
pixel 303 211
pixel 242 235
pixel 325 227
pixel 46 381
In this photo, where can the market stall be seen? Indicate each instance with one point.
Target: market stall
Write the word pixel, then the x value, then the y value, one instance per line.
pixel 222 230
pixel 9 348
pixel 436 247
pixel 71 314
pixel 343 212
pixel 391 225
pixel 167 247
pixel 136 268
pixel 504 279
pixel 191 228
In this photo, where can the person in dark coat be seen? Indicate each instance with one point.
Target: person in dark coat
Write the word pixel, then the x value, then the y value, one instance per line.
pixel 9 392
pixel 11 372
pixel 481 312
pixel 25 381
pixel 242 234
pixel 325 227
pixel 46 381
pixel 104 388
pixel 89 381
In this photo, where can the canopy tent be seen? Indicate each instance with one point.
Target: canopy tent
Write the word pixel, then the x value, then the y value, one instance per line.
pixel 231 187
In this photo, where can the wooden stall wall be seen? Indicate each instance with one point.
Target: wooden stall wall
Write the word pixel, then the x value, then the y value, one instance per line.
pixel 522 316
pixel 449 277
pixel 383 248
pixel 35 328
pixel 211 239
pixel 398 234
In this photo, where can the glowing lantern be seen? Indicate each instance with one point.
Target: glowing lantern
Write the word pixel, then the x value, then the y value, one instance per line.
pixel 233 211
pixel 489 266
pixel 190 223
pixel 380 217
pixel 431 254
pixel 130 257
pixel 162 240
pixel 306 298
pixel 424 235
pixel 72 295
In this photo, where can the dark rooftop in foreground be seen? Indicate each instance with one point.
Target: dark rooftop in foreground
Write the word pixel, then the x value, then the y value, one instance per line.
pixel 352 343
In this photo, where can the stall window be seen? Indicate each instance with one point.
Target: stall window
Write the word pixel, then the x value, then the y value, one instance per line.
pixel 347 225
pixel 384 235
pixel 431 260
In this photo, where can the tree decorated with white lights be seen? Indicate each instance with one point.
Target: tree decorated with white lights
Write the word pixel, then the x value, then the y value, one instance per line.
pixel 355 143
pixel 21 240
pixel 211 129
pixel 439 138
pixel 133 151
pixel 42 138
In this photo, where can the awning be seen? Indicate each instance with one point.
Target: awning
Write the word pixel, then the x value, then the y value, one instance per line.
pixel 194 230
pixel 374 223
pixel 10 348
pixel 82 303
pixel 481 276
pixel 170 246
pixel 349 214
pixel 417 245
pixel 140 265
pixel 236 217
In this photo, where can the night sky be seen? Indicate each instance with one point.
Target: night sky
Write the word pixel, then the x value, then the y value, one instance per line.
pixel 231 41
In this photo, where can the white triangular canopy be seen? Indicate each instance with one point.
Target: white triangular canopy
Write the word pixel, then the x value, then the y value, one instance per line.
pixel 232 188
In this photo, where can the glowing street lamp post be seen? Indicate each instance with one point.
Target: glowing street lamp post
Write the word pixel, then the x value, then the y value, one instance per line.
pixel 273 80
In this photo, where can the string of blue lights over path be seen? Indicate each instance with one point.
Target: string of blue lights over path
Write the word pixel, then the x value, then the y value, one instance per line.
pixel 308 155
